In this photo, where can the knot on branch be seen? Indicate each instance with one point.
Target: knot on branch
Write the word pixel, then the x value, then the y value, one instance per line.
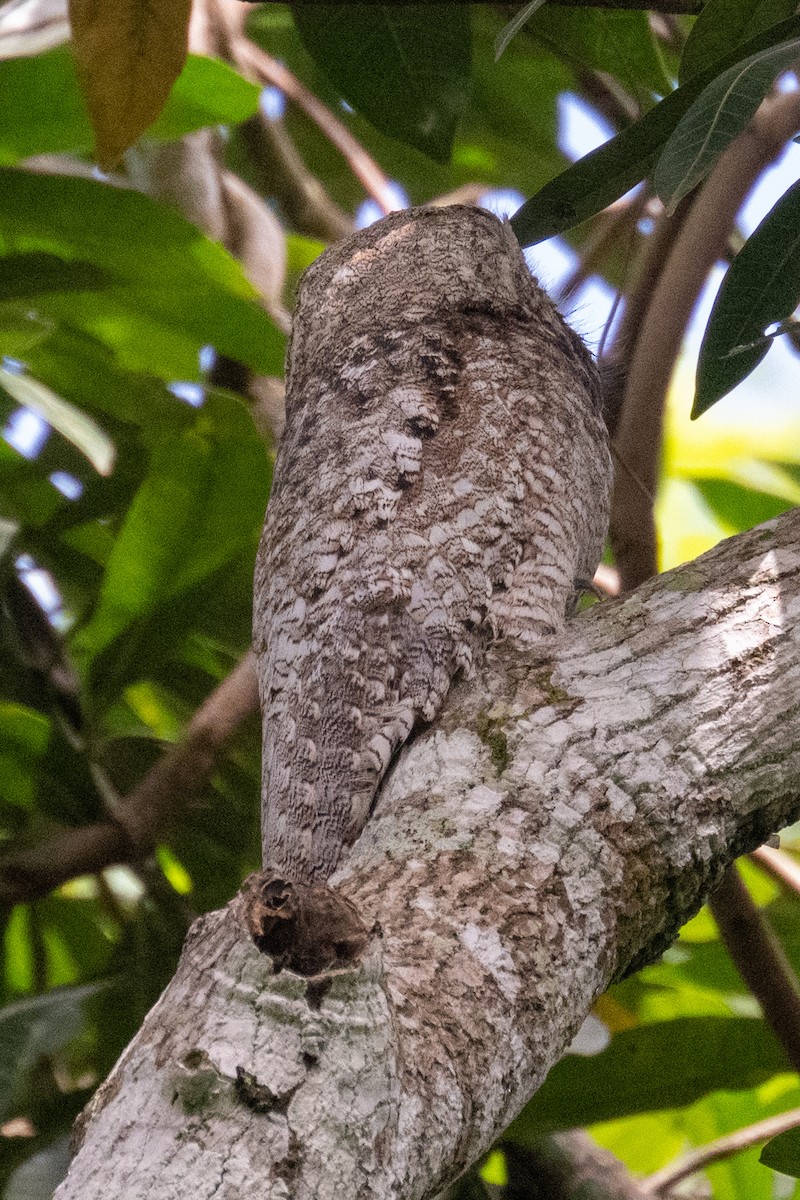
pixel 305 928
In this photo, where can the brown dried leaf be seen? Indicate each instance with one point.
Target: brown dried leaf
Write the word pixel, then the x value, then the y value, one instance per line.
pixel 128 54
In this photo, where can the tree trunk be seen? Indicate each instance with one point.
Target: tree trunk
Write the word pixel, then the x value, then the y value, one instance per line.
pixel 573 805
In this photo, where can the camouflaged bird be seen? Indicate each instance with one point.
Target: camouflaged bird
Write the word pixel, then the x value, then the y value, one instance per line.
pixel 436 488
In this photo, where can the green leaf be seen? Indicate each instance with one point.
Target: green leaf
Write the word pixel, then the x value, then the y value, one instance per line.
pixel 174 290
pixel 740 507
pixel 25 729
pixel 782 1153
pixel 24 737
pixel 86 372
pixel 620 43
pixel 656 1066
pixel 36 1026
pixel 600 178
pixel 207 92
pixel 762 286
pixel 723 24
pixel 718 115
pixel 514 25
pixel 70 422
pixel 41 110
pixel 406 72
pixel 201 504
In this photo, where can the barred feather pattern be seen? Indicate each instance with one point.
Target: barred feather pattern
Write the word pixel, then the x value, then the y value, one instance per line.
pixel 442 481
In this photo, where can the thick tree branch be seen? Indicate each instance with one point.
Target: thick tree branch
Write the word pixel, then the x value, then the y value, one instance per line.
pixel 573 805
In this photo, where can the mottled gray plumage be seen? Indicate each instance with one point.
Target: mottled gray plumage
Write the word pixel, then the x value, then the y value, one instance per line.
pixel 436 487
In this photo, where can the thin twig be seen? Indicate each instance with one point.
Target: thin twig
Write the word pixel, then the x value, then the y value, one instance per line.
pixel 662 1181
pixel 702 242
pixel 262 68
pixel 159 798
pixel 618 221
pixel 780 865
pixel 760 960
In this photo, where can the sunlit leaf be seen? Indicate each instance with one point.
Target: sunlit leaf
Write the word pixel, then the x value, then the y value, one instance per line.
pixel 718 115
pixel 200 504
pixel 43 111
pixel 128 54
pixel 740 507
pixel 762 286
pixel 405 72
pixel 174 289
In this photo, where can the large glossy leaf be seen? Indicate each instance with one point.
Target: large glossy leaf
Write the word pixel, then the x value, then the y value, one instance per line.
pixel 506 138
pixel 174 289
pixel 723 24
pixel 201 504
pixel 404 71
pixel 656 1066
pixel 128 54
pixel 42 110
pixel 761 287
pixel 620 43
pixel 601 177
pixel 718 115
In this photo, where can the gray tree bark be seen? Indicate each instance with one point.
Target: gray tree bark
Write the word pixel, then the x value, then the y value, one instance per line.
pixel 572 806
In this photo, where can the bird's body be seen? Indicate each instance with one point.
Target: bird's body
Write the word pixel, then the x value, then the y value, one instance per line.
pixel 443 431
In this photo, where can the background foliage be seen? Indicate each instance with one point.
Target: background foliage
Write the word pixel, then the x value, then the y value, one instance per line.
pixel 136 459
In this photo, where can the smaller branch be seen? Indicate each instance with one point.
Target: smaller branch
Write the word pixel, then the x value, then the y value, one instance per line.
pixel 703 239
pixel 780 865
pixel 282 173
pixel 655 253
pixel 616 222
pixel 759 959
pixel 660 1182
pixel 262 68
pixel 160 797
pixel 570 1165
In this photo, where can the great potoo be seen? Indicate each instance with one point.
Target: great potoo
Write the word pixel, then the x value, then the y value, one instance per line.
pixel 442 481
